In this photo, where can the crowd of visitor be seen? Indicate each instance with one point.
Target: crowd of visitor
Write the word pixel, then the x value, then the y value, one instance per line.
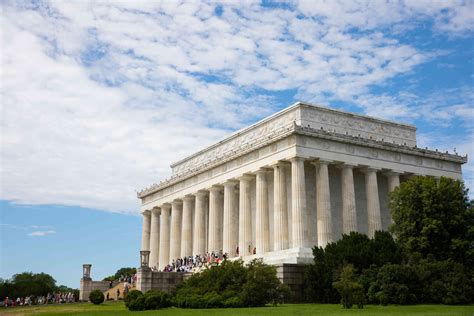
pixel 194 263
pixel 51 298
pixel 197 262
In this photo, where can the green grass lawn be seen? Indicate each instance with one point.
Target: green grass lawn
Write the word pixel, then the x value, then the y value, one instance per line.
pixel 113 308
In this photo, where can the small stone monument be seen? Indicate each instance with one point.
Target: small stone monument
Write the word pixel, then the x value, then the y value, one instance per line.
pixel 86 282
pixel 144 273
pixel 86 271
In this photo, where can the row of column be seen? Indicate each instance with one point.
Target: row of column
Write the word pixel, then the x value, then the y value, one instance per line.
pixel 167 243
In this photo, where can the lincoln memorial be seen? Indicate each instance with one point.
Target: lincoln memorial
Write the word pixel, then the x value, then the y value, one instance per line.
pixel 298 178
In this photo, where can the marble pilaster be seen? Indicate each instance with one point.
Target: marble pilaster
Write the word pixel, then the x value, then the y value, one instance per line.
pixel 215 219
pixel 323 204
pixel 199 240
pixel 280 219
pixel 165 235
pixel 176 221
pixel 230 229
pixel 155 238
pixel 374 217
pixel 349 215
pixel 245 217
pixel 262 229
pixel 298 203
pixel 187 228
pixel 146 230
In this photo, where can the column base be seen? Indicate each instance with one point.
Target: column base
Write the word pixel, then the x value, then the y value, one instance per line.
pixel 286 256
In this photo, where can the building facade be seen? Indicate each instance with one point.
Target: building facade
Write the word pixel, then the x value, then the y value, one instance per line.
pixel 301 177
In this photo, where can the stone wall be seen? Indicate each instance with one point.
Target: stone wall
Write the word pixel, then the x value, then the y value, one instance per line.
pixel 292 275
pixel 87 286
pixel 163 281
pixel 289 274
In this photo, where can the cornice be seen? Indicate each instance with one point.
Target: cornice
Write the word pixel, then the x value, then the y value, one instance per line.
pixel 294 129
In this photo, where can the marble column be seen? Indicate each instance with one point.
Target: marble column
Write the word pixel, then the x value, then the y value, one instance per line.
pixel 393 179
pixel 176 221
pixel 373 203
pixel 146 230
pixel 280 218
pixel 154 260
pixel 199 240
pixel 323 204
pixel 165 235
pixel 215 215
pixel 187 229
pixel 262 228
pixel 245 217
pixel 298 202
pixel 349 215
pixel 230 229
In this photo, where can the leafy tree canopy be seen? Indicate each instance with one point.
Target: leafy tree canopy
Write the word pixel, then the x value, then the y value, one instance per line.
pixel 434 220
pixel 128 271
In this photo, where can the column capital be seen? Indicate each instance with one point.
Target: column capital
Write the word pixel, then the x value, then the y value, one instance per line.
pixel 369 169
pixel 263 171
pixel 188 197
pixel 279 163
pixel 393 173
pixel 246 177
pixel 166 206
pixel 296 158
pixel 343 165
pixel 177 201
pixel 321 161
pixel 146 213
pixel 201 193
pixel 156 210
pixel 216 187
pixel 230 182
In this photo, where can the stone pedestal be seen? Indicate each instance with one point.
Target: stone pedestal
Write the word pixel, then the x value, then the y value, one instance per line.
pixel 85 289
pixel 144 279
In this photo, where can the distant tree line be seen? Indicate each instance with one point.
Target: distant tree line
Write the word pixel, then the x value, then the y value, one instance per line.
pixel 429 259
pixel 29 283
pixel 121 273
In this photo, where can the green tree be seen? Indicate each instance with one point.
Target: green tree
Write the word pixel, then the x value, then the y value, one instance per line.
pixel 434 220
pixel 355 249
pixel 351 291
pixel 231 284
pixel 128 271
pixel 29 283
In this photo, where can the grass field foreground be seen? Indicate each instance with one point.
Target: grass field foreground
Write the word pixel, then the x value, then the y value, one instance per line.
pixel 118 308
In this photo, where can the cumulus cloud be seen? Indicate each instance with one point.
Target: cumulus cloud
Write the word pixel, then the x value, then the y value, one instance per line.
pixel 99 97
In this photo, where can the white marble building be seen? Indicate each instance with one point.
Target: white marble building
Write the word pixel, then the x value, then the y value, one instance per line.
pixel 299 178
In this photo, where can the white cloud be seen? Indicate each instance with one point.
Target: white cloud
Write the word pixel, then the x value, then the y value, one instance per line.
pixel 98 98
pixel 40 233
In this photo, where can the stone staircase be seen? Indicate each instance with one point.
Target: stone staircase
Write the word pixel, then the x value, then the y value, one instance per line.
pixel 113 291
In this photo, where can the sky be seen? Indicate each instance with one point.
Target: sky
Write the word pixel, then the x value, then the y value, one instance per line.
pixel 99 98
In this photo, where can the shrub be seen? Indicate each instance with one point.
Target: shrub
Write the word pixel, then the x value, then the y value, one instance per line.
pixel 155 299
pixel 233 301
pixel 351 292
pixel 356 249
pixel 96 297
pixel 138 304
pixel 396 284
pixel 132 295
pixel 231 284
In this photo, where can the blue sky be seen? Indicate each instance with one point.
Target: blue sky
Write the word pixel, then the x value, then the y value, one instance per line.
pixel 99 98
